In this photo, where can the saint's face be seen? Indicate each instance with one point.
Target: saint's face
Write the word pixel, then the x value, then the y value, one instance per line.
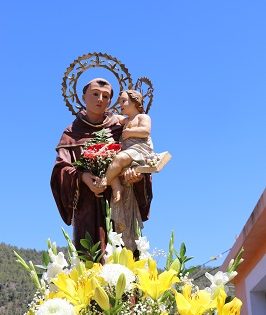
pixel 97 98
pixel 126 104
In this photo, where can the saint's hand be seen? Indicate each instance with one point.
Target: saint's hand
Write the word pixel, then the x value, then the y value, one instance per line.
pixel 93 182
pixel 131 176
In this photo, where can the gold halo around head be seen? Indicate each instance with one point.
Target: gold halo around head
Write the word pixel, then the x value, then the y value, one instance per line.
pixel 84 63
pixel 119 70
pixel 145 87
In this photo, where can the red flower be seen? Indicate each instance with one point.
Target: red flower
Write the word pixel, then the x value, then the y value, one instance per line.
pixel 96 157
pixel 89 154
pixel 114 146
pixel 96 147
pixel 103 154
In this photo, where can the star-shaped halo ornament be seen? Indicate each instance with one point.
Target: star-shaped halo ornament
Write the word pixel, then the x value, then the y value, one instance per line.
pixel 110 63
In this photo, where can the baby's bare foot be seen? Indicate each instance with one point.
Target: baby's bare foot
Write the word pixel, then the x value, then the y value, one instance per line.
pixel 117 194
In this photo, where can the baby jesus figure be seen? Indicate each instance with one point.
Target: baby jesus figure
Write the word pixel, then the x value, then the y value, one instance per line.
pixel 137 148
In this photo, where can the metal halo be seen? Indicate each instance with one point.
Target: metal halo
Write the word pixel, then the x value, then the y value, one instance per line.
pixel 82 64
pixel 145 87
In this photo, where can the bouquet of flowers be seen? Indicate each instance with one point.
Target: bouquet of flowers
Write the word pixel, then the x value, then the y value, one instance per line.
pixel 98 153
pixel 78 285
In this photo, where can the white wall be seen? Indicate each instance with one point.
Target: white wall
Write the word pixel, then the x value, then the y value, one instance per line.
pixel 256 289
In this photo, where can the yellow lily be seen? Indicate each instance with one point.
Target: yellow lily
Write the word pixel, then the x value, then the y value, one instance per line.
pixel 77 290
pixel 152 268
pixel 193 303
pixel 220 299
pixel 153 285
pixel 120 286
pixel 125 257
pixel 231 308
pixel 101 297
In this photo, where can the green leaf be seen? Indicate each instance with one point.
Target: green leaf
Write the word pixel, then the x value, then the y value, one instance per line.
pixel 175 265
pixel 84 242
pixel 171 249
pixel 99 257
pixel 167 294
pixel 89 264
pixel 71 247
pixel 89 238
pixel 45 258
pixel 95 247
pixel 117 309
pixel 187 258
pixel 84 257
pixel 22 261
pixel 41 267
pixel 182 250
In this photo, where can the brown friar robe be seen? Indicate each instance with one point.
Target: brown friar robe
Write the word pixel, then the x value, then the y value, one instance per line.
pixel 76 203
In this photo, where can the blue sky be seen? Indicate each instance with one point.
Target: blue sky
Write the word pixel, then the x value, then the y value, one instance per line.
pixel 207 60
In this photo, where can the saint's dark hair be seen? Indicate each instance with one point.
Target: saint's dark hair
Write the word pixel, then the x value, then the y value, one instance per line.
pixel 101 83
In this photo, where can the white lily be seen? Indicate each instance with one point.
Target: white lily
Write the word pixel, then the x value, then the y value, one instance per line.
pixel 59 259
pixel 220 277
pixel 219 280
pixel 115 239
pixel 75 261
pixel 108 251
pixel 143 246
pixel 55 267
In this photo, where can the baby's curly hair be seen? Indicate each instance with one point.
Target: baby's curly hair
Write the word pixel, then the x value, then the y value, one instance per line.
pixel 137 98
